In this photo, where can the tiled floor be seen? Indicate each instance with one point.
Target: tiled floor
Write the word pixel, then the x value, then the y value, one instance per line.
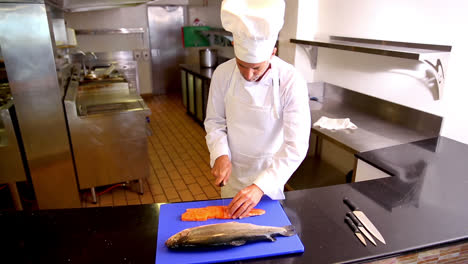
pixel 179 158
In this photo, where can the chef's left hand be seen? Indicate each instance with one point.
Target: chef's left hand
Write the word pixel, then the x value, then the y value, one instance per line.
pixel 244 201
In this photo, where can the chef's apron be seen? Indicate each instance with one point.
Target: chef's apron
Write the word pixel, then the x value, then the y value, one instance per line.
pixel 255 133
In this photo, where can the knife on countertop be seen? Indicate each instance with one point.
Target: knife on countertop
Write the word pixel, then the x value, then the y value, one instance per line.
pixel 355 230
pixel 364 220
pixel 361 227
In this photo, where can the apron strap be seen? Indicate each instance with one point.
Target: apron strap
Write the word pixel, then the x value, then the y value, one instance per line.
pixel 275 84
pixel 276 96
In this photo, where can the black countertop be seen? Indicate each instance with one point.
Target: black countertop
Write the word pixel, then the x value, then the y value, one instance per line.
pixel 196 69
pixel 422 206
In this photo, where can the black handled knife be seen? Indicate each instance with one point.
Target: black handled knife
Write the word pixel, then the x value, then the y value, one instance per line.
pixel 364 220
pixel 361 227
pixel 355 230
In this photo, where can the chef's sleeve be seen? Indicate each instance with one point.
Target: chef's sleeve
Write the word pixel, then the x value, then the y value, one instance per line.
pixel 296 129
pixel 215 121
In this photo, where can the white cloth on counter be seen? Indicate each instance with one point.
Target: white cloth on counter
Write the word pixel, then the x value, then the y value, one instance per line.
pixel 335 123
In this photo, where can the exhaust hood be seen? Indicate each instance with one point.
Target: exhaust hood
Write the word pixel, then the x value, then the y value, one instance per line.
pixel 92 5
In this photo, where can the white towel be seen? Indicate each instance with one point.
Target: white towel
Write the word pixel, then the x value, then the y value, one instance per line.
pixel 334 123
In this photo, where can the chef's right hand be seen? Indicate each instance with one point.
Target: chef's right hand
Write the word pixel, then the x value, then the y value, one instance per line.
pixel 221 170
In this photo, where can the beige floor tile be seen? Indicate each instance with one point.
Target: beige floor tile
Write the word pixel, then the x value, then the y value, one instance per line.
pixel 183 170
pixel 106 198
pixel 210 191
pixel 166 183
pixel 132 195
pixel 161 174
pixel 147 198
pixel 195 171
pixel 152 180
pixel 175 200
pixel 200 197
pixel 179 185
pixel 174 175
pixel 186 196
pixel 171 193
pixel 118 194
pixel 189 179
pixel 195 188
pixel 156 189
pixel 202 180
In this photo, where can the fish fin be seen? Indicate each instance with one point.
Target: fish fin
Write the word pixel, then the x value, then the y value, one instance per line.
pixel 238 243
pixel 272 239
pixel 289 230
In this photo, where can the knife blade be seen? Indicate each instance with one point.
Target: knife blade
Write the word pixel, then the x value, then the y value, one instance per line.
pixel 355 230
pixel 361 227
pixel 364 220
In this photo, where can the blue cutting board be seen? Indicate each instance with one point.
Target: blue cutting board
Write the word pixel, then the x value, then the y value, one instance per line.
pixel 170 224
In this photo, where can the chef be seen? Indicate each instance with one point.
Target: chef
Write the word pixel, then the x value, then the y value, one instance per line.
pixel 257 118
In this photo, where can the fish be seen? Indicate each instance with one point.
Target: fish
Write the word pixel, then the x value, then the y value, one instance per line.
pixel 210 212
pixel 226 234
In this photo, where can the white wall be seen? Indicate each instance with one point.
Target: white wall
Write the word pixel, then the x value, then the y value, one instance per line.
pixel 398 80
pixel 127 17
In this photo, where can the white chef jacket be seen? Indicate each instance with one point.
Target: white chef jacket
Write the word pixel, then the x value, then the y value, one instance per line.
pixel 294 111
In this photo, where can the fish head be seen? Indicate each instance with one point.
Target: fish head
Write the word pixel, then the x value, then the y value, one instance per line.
pixel 178 240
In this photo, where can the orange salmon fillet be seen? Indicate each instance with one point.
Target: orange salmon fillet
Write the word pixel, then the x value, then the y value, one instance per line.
pixel 210 212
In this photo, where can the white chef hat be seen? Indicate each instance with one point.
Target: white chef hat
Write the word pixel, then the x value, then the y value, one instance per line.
pixel 255 25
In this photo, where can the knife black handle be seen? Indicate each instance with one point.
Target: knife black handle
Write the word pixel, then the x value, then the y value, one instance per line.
pixel 350 204
pixel 351 224
pixel 354 219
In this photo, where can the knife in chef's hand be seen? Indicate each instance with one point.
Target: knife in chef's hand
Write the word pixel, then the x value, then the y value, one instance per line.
pixel 364 220
pixel 361 227
pixel 355 230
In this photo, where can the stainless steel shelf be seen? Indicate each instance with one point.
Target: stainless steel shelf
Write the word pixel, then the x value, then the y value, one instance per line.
pixel 110 31
pixel 435 56
pixel 404 50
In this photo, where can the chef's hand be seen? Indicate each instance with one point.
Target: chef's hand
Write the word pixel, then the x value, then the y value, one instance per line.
pixel 221 170
pixel 244 201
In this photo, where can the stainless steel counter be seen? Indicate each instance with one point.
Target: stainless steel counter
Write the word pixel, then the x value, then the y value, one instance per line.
pixel 108 132
pixel 380 123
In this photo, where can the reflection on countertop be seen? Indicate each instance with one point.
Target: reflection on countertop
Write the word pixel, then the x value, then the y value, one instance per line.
pixel 196 69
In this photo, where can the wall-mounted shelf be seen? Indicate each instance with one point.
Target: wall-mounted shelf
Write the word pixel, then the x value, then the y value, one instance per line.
pixel 435 56
pixel 110 31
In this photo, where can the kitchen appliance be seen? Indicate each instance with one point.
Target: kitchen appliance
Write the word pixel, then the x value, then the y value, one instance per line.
pixel 170 224
pixel 107 125
pixel 208 58
pixel 167 52
pixel 364 220
pixel 27 41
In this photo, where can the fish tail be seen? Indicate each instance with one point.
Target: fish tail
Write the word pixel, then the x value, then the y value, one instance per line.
pixel 289 230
